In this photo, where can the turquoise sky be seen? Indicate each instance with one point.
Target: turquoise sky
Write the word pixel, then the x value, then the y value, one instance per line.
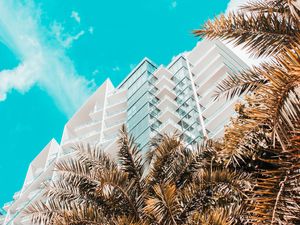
pixel 54 53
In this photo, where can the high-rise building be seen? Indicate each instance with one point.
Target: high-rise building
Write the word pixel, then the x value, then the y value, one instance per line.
pixel 151 100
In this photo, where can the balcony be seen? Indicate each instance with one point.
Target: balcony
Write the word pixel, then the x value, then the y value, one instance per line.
pixel 183 112
pixel 91 125
pixel 169 127
pixel 17 215
pixel 33 193
pixel 112 148
pixel 207 98
pixel 35 175
pixel 167 102
pixel 70 142
pixel 212 79
pixel 162 72
pixel 108 140
pixel 167 114
pixel 196 55
pixel 66 151
pixel 90 137
pixel 97 114
pixel 203 60
pixel 220 116
pixel 117 96
pixel 166 92
pixel 206 70
pixel 113 129
pixel 116 116
pixel 163 82
pixel 218 133
pixel 212 107
pixel 116 108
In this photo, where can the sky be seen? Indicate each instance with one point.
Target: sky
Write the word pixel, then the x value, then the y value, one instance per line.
pixel 54 54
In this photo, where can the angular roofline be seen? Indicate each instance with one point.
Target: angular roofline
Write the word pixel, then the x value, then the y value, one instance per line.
pixel 145 59
pixel 90 98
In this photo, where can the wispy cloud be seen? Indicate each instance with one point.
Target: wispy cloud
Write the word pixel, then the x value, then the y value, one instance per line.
pixel 173 4
pixel 132 66
pixel 75 16
pixel 91 30
pixel 116 68
pixel 70 39
pixel 95 72
pixel 64 38
pixel 44 61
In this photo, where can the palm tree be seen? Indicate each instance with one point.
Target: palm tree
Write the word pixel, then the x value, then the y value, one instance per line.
pixel 264 137
pixel 175 185
pixel 264 27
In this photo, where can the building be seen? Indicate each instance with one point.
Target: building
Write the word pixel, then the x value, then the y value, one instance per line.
pixel 150 100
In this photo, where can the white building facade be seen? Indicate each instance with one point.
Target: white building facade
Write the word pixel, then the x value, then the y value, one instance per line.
pixel 150 101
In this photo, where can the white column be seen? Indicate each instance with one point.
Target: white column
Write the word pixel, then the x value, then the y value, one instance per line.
pixel 196 98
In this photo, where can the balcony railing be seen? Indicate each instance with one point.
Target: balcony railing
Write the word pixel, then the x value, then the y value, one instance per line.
pixel 25 205
pixel 87 124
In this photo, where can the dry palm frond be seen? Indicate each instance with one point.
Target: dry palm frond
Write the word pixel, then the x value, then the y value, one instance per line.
pixel 218 216
pixel 91 189
pixel 186 166
pixel 274 105
pixel 238 84
pixel 278 103
pixel 81 216
pixel 276 196
pixel 163 205
pixel 123 220
pixel 266 6
pixel 130 156
pixel 160 169
pixel 261 34
pixel 40 213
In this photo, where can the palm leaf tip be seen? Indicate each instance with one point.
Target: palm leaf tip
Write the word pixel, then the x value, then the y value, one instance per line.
pixel 262 34
pixel 238 84
pixel 129 155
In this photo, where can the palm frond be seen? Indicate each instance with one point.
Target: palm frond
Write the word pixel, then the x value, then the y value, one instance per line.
pixel 261 34
pixel 94 157
pixel 266 6
pixel 239 84
pixel 89 189
pixel 82 216
pixel 115 184
pixel 130 156
pixel 163 205
pixel 160 169
pixel 218 216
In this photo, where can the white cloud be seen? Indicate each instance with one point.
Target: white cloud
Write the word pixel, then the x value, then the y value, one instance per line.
pixel 44 61
pixel 20 78
pixel 132 66
pixel 95 72
pixel 75 16
pixel 65 39
pixel 116 68
pixel 174 4
pixel 70 39
pixel 91 30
